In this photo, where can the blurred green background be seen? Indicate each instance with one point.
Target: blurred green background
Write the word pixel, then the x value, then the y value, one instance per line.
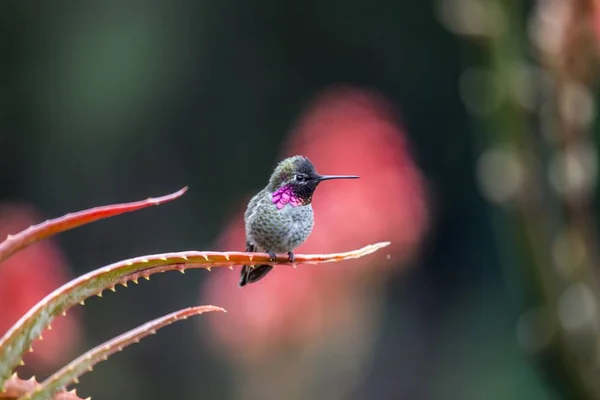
pixel 116 101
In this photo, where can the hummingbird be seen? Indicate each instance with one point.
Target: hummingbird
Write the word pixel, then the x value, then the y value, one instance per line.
pixel 280 217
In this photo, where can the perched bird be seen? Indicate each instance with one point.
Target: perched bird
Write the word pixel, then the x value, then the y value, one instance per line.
pixel 280 217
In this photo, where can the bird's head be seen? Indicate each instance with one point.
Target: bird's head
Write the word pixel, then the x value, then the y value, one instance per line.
pixel 295 180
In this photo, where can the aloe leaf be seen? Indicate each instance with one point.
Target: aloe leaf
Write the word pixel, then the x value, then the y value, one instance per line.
pixel 20 336
pixel 17 387
pixel 35 233
pixel 85 363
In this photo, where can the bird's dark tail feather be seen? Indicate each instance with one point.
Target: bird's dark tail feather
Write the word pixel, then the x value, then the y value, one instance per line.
pixel 252 275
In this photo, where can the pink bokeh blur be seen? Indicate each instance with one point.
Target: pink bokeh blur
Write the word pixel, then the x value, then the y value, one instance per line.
pixel 345 131
pixel 26 278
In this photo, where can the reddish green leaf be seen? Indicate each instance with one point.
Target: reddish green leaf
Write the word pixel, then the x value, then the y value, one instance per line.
pixel 17 387
pixel 85 363
pixel 18 339
pixel 35 233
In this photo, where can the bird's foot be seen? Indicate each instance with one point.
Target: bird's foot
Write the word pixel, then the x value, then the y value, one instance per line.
pixel 272 256
pixel 291 256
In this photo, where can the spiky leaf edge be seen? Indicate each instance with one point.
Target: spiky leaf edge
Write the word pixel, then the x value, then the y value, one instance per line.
pixel 35 233
pixel 85 363
pixel 17 387
pixel 20 336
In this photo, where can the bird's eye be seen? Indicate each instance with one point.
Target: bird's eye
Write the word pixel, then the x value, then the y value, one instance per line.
pixel 300 178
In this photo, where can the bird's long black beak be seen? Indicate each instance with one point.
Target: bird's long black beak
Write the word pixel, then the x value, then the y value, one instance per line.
pixel 328 177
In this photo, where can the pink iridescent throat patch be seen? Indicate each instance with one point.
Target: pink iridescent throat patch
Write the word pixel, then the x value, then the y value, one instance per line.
pixel 284 196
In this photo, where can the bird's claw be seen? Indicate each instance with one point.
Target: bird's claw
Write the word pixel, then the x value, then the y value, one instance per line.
pixel 291 256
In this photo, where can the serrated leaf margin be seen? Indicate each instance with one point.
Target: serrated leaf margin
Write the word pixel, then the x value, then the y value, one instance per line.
pixel 85 363
pixel 20 336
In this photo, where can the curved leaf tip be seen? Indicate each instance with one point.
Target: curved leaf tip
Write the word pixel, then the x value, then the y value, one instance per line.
pixel 85 363
pixel 19 337
pixel 35 233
